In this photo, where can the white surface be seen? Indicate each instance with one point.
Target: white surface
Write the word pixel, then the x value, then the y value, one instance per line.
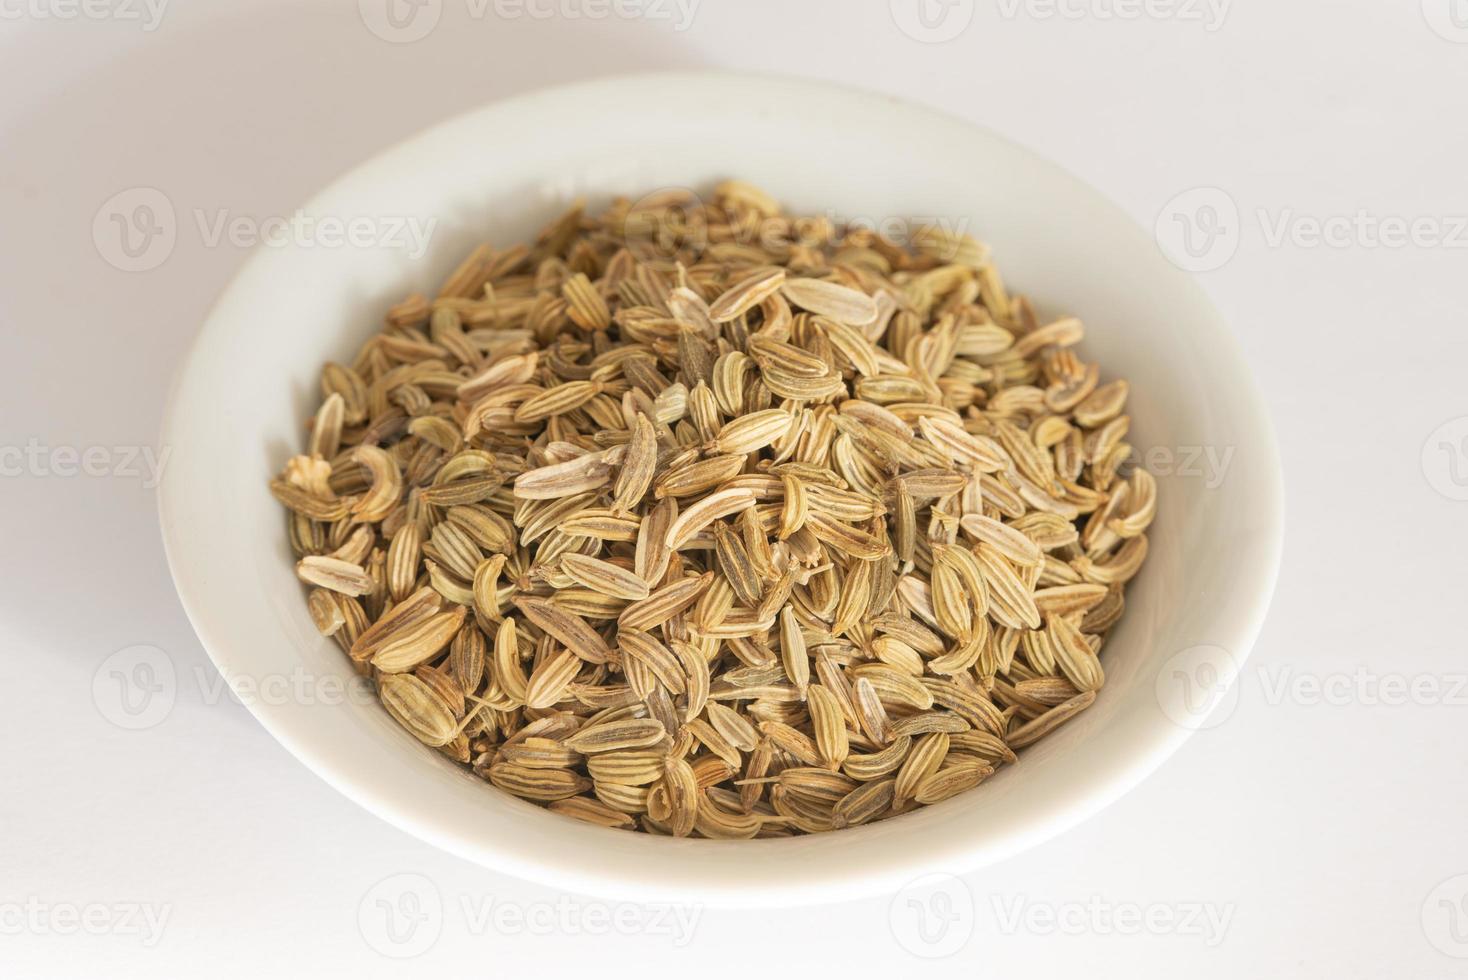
pixel 1327 828
pixel 251 379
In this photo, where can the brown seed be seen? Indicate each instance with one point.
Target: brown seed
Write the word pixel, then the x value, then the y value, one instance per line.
pixel 830 727
pixel 559 480
pixel 878 764
pixel 646 649
pixel 604 577
pixel 592 811
pixel 705 512
pixel 584 305
pixel 665 603
pixel 638 466
pixel 570 629
pixel 950 781
pixel 334 574
pixel 631 767
pixel 1074 656
pixel 418 643
pixel 1032 731
pixel 417 708
pixel 683 796
pixel 557 401
pixel 537 784
pixel 548 682
pixel 793 651
pixel 865 803
pixel 736 565
pixel 751 432
pixel 840 303
pixel 924 759
pixel 1012 544
pixel 746 294
pixel 609 736
pixel 698 477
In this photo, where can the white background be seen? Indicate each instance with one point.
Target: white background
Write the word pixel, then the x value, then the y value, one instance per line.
pixel 1325 828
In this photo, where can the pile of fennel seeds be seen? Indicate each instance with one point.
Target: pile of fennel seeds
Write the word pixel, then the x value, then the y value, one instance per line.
pixel 700 519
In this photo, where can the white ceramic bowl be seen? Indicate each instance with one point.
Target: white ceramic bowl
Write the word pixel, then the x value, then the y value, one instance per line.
pixel 245 390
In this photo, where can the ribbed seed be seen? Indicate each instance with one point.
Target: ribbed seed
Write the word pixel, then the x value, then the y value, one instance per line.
pixel 537 784
pixel 745 294
pixel 417 708
pixel 631 767
pixel 638 466
pixel 664 603
pixel 950 781
pixel 604 577
pixel 570 629
pixel 830 726
pixel 793 651
pixel 548 681
pixel 418 643
pixel 334 574
pixel 609 736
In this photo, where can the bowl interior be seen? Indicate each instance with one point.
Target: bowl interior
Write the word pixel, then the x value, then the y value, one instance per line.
pixel 246 390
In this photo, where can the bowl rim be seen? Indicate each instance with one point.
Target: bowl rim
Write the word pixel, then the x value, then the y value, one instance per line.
pixel 801 887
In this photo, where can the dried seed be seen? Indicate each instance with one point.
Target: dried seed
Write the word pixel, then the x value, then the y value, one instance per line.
pixel 865 803
pixel 638 466
pixel 604 577
pixel 631 767
pixel 830 726
pixel 418 643
pixel 592 811
pixel 570 629
pixel 537 784
pixel 793 651
pixel 746 294
pixel 751 432
pixel 557 401
pixel 1012 544
pixel 924 759
pixel 705 512
pixel 584 305
pixel 609 736
pixel 950 781
pixel 840 303
pixel 1074 656
pixel 736 565
pixel 683 797
pixel 417 708
pixel 548 682
pixel 559 480
pixel 647 650
pixel 1033 731
pixel 665 603
pixel 1010 602
pixel 334 574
